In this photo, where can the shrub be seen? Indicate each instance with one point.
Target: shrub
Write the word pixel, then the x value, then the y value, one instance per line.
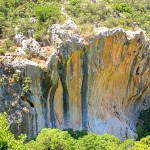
pixel 47 11
pixel 98 142
pixel 143 127
pixel 87 12
pixel 123 7
pixel 76 134
pixel 126 145
pixel 53 139
pixel 2 51
pixel 87 142
pixel 7 139
pixel 7 44
pixel 40 33
pixel 26 87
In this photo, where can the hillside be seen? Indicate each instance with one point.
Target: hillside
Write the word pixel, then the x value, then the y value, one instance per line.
pixel 86 13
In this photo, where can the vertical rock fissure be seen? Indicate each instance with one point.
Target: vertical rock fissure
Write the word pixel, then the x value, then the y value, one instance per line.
pixel 46 85
pixel 36 120
pixel 44 111
pixel 84 91
pixel 141 74
pixel 52 111
pixel 66 113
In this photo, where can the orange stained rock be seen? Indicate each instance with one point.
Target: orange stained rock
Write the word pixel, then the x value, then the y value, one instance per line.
pixel 74 82
pixel 58 104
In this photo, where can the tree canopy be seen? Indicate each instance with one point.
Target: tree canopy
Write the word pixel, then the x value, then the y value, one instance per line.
pixel 55 139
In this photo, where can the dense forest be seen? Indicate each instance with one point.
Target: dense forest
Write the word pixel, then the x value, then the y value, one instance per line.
pixel 33 18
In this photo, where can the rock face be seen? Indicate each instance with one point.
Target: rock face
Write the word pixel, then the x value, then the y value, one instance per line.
pixel 100 86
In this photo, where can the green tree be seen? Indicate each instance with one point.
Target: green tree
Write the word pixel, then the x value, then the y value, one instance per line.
pixel 76 134
pixel 126 145
pixel 7 139
pixel 53 139
pixel 98 142
pixel 47 11
pixel 143 127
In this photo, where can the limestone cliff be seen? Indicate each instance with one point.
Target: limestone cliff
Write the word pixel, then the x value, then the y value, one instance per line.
pixel 100 84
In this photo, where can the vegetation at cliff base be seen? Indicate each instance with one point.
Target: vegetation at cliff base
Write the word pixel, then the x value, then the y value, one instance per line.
pixel 76 134
pixel 143 126
pixel 55 139
pixel 7 139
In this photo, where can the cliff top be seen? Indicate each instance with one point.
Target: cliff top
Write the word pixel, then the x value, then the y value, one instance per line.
pixel 28 51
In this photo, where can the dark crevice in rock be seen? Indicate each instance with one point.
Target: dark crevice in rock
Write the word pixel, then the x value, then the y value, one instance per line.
pixel 132 69
pixel 84 91
pixel 139 41
pixel 26 100
pixel 126 42
pixel 36 118
pixel 141 74
pixel 138 70
pixel 31 125
pixel 66 113
pixel 46 84
pixel 138 100
pixel 44 111
pixel 52 112
pixel 134 62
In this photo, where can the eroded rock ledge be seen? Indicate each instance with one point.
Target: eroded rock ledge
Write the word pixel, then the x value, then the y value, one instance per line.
pixel 100 84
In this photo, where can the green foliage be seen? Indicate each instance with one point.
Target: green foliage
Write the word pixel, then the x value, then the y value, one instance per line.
pixel 143 127
pixel 55 139
pixel 126 145
pixel 102 13
pixel 7 44
pixel 26 87
pixel 2 51
pixel 52 139
pixel 87 142
pixel 16 77
pixel 7 139
pixel 40 32
pixel 87 12
pixel 47 11
pixel 76 134
pixel 98 142
pixel 18 13
pixel 145 140
pixel 143 144
pixel 123 7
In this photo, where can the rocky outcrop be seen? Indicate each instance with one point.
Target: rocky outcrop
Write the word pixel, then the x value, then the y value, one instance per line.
pixel 99 85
